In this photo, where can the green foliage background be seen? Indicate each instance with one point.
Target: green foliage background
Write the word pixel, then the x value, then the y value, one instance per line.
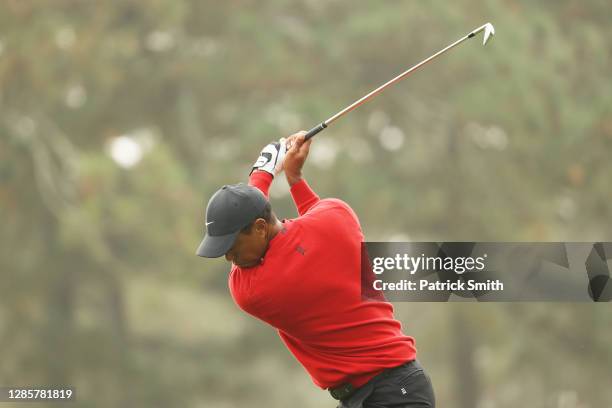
pixel 99 285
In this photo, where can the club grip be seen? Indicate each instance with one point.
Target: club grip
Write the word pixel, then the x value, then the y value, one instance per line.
pixel 314 131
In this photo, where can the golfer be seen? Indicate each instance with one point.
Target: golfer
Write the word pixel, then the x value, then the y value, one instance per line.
pixel 303 277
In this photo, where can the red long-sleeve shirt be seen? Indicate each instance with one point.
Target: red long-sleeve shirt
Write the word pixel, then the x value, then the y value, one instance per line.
pixel 308 286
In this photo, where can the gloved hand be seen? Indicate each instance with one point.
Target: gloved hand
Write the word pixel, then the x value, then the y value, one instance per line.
pixel 271 158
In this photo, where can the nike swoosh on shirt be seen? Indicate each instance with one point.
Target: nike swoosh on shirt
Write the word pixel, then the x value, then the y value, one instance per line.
pixel 208 223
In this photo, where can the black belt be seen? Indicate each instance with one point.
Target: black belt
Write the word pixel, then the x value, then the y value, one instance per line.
pixel 345 390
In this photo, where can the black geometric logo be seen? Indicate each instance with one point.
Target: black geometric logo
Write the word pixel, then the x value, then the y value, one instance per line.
pixel 600 285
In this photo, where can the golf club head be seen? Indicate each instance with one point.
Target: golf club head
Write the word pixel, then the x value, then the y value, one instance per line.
pixel 489 31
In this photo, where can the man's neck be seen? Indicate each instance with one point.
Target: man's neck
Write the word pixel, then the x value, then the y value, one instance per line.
pixel 272 231
pixel 275 229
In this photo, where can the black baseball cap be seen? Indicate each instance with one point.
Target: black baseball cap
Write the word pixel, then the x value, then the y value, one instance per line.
pixel 230 209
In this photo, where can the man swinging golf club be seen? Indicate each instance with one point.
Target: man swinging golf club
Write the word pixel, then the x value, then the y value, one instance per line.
pixel 303 277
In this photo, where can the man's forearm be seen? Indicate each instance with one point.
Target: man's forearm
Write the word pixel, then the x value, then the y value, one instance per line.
pixel 262 181
pixel 291 180
pixel 303 196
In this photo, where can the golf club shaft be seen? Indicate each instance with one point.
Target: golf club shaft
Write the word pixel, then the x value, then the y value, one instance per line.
pixel 378 90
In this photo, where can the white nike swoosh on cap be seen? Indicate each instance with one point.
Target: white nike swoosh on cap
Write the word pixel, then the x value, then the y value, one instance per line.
pixel 208 223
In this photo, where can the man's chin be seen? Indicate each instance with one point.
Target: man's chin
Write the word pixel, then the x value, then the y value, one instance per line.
pixel 246 265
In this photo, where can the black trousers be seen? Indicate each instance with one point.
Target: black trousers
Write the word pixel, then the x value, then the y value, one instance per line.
pixel 406 386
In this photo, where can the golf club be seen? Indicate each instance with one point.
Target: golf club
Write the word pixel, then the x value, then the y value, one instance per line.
pixel 489 31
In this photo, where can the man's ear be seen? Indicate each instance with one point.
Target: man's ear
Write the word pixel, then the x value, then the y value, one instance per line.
pixel 260 226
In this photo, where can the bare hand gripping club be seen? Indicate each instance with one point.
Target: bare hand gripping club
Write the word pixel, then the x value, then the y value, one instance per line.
pixel 489 31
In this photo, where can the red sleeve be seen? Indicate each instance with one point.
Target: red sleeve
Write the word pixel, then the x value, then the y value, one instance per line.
pixel 261 180
pixel 303 196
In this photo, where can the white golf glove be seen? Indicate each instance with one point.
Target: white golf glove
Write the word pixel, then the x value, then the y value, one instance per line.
pixel 271 158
